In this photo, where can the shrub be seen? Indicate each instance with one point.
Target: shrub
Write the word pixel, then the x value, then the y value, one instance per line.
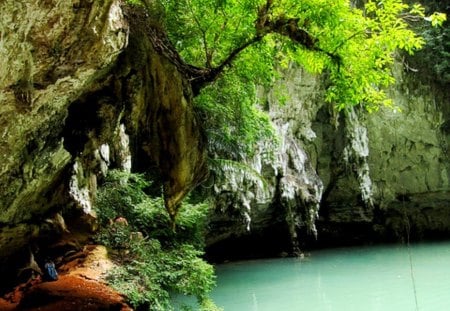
pixel 154 260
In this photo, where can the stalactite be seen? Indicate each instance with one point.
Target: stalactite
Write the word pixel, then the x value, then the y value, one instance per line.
pixel 356 155
pixel 300 186
pixel 79 191
pixel 124 152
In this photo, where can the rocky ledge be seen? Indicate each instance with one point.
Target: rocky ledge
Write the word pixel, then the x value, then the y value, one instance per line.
pixel 80 286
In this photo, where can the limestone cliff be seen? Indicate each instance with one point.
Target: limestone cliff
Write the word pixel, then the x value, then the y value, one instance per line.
pixel 86 86
pixel 359 177
pixel 82 89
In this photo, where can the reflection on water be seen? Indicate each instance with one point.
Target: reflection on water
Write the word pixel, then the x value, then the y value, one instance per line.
pixel 369 278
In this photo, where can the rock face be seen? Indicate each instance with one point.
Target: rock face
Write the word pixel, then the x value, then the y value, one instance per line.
pixel 82 90
pixel 51 54
pixel 80 285
pixel 290 196
pixel 401 184
pixel 380 176
pixel 44 67
pixel 85 86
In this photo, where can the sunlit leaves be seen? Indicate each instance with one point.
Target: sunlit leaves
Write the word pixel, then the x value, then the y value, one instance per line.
pixel 373 38
pixel 355 46
pixel 436 19
pixel 206 31
pixel 227 108
pixel 365 40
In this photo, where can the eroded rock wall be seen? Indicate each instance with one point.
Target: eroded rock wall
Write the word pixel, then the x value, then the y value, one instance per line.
pixel 288 196
pixel 83 90
pixel 380 176
pixel 407 169
pixel 51 52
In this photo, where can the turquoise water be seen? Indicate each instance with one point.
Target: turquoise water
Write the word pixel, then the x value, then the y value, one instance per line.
pixel 368 278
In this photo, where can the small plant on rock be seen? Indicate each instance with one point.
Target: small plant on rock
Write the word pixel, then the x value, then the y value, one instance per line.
pixel 154 260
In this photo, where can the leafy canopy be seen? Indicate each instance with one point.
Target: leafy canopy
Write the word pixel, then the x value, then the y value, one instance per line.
pixel 356 45
pixel 226 49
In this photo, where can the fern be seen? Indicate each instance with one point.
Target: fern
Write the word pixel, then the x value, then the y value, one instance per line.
pixel 231 116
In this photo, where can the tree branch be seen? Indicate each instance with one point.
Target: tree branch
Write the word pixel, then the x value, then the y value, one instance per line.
pixel 289 27
pixel 265 24
pixel 209 75
pixel 203 32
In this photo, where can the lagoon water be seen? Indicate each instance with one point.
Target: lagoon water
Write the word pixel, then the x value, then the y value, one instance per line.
pixel 363 278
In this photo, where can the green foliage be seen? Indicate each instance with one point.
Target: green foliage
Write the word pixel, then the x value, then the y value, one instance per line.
pixel 119 194
pixel 433 62
pixel 154 260
pixel 154 272
pixel 135 2
pixel 357 46
pixel 206 31
pixel 231 118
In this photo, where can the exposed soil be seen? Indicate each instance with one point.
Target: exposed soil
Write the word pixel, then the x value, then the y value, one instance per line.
pixel 80 287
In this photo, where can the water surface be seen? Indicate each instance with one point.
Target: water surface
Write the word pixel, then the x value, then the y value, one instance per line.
pixel 364 278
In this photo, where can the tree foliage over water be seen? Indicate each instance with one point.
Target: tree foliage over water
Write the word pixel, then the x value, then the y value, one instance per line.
pixel 356 45
pixel 234 45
